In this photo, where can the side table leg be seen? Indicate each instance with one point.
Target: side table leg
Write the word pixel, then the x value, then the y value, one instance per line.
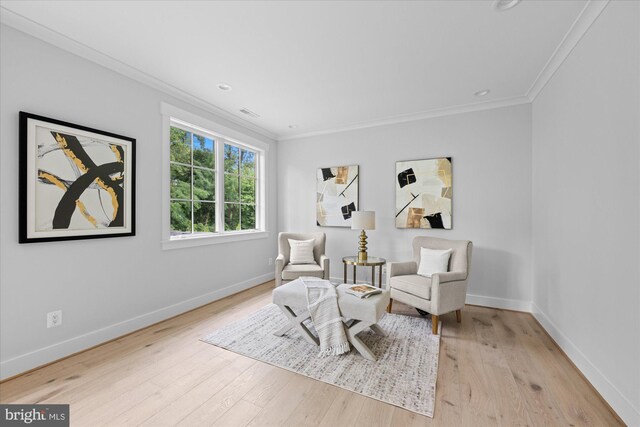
pixel 380 276
pixel 373 275
pixel 354 273
pixel 345 273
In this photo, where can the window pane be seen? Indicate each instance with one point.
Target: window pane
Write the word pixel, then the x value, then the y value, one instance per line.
pixel 231 158
pixel 180 182
pixel 204 184
pixel 231 188
pixel 180 145
pixel 231 217
pixel 247 190
pixel 248 163
pixel 203 151
pixel 248 217
pixel 180 218
pixel 204 217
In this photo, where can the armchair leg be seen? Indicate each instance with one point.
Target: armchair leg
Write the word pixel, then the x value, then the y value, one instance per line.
pixel 434 324
pixel 390 305
pixel 459 315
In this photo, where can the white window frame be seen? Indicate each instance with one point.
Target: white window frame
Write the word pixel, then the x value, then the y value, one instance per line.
pixel 221 135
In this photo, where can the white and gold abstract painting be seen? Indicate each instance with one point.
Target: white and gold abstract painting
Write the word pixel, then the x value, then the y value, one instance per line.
pixel 336 195
pixel 424 193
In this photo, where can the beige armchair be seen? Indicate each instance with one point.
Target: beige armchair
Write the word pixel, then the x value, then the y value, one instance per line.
pixel 440 294
pixel 286 272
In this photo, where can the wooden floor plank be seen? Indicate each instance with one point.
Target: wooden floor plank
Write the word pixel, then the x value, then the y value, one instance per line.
pixel 448 402
pixel 216 407
pixel 539 400
pixel 344 410
pixel 374 414
pixel 510 407
pixel 163 375
pixel 280 407
pixel 579 404
pixel 314 406
pixel 476 399
pixel 239 415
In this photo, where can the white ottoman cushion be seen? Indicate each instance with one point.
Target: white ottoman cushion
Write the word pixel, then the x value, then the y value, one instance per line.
pixel 366 309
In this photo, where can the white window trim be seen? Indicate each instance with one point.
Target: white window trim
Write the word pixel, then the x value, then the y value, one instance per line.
pixel 199 124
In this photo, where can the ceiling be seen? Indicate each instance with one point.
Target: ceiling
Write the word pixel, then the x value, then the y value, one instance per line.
pixel 322 65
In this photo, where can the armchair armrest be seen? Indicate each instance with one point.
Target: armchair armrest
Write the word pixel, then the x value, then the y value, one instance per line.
pixel 325 264
pixel 450 276
pixel 279 268
pixel 448 291
pixel 400 269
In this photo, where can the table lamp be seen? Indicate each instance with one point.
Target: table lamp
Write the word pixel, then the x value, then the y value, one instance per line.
pixel 363 220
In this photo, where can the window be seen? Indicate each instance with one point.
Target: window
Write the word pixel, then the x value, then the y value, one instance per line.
pixel 216 183
pixel 239 188
pixel 193 183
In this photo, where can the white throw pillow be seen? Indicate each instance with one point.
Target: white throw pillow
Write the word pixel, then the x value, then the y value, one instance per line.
pixel 301 251
pixel 433 261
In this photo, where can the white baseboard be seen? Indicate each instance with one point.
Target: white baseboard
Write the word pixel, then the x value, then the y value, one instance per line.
pixel 42 356
pixel 504 303
pixel 623 407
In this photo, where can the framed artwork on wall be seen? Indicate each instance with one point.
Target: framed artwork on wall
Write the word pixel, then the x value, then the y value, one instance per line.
pixel 75 182
pixel 424 193
pixel 336 195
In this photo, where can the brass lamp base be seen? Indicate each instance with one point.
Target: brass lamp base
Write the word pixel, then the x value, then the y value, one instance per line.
pixel 362 254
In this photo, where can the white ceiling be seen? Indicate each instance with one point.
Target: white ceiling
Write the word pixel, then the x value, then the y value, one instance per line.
pixel 322 65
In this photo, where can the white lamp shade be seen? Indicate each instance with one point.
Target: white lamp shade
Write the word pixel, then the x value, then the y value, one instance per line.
pixel 363 220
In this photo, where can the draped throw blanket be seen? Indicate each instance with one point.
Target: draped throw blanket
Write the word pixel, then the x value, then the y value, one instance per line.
pixel 322 300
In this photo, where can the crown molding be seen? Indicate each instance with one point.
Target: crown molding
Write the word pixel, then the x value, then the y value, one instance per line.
pixel 578 29
pixel 588 15
pixel 61 41
pixel 429 114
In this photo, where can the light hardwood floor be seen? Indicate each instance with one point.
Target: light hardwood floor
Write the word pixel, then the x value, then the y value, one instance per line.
pixel 496 368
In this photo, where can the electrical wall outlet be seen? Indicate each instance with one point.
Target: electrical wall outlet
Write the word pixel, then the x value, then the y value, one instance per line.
pixel 54 319
pixel 270 261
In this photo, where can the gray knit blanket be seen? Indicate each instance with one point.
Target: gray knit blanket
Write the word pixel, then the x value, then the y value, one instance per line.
pixel 322 300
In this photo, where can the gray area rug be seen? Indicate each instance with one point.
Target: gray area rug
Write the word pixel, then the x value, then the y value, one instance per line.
pixel 404 374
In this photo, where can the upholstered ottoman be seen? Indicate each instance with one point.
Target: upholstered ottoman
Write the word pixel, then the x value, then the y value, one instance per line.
pixel 358 314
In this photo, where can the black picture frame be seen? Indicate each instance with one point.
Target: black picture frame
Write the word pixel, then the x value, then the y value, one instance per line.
pixel 80 153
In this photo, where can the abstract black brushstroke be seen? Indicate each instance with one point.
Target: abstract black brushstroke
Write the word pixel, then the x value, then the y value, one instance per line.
pixel 67 204
pixel 327 174
pixel 435 220
pixel 348 185
pixel 415 196
pixel 406 177
pixel 347 209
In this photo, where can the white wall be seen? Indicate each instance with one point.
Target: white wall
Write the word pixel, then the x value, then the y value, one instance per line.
pixel 491 156
pixel 141 283
pixel 586 207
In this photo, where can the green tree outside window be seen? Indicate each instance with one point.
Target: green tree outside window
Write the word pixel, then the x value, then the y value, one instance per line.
pixel 193 184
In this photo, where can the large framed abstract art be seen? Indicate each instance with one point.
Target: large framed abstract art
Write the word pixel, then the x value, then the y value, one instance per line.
pixel 75 182
pixel 424 191
pixel 336 195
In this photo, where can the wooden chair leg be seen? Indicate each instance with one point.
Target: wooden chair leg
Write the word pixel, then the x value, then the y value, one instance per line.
pixel 434 324
pixel 389 306
pixel 459 315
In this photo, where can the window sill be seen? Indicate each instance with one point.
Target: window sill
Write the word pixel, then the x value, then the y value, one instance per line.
pixel 188 242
